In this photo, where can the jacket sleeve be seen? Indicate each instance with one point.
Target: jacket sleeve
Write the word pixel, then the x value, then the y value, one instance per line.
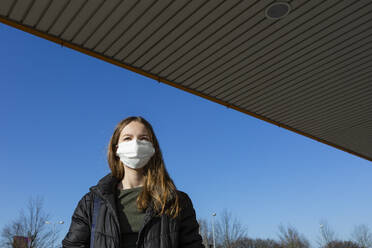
pixel 79 231
pixel 189 236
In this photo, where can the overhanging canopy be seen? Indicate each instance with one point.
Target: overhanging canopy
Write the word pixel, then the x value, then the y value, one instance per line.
pixel 309 72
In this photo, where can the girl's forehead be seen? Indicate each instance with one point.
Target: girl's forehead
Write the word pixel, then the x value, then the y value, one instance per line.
pixel 134 128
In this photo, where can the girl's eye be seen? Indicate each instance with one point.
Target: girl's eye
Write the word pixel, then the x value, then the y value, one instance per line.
pixel 143 138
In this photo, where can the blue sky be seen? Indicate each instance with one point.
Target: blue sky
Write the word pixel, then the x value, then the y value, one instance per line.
pixel 59 108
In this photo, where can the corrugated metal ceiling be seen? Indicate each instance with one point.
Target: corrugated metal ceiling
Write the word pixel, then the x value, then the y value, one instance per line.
pixel 309 72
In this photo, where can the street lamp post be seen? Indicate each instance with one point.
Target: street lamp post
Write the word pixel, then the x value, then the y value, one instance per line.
pixel 214 240
pixel 54 228
pixel 324 242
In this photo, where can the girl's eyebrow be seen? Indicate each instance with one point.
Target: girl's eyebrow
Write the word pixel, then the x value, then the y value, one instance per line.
pixel 127 134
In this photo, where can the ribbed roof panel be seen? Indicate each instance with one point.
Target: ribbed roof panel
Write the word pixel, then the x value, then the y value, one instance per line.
pixel 308 72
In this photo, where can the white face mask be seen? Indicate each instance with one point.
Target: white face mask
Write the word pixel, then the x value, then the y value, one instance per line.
pixel 135 153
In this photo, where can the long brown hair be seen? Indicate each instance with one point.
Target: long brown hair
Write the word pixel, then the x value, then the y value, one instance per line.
pixel 159 189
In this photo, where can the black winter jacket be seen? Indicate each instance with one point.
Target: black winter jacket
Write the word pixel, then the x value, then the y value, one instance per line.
pixel 156 232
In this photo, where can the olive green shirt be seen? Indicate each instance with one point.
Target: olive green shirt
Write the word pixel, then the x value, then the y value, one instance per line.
pixel 131 218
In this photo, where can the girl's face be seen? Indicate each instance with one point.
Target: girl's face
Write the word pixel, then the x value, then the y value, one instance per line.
pixel 134 130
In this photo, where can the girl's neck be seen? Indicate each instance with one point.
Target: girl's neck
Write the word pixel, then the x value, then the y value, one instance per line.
pixel 132 179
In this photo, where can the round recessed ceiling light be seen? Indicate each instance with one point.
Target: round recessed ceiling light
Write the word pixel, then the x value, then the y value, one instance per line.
pixel 278 10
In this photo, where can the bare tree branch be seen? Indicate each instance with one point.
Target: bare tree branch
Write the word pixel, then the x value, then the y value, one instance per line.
pixel 342 244
pixel 362 236
pixel 229 230
pixel 291 238
pixel 30 224
pixel 205 231
pixel 327 235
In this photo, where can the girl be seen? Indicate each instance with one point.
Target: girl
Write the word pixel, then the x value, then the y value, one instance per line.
pixel 137 204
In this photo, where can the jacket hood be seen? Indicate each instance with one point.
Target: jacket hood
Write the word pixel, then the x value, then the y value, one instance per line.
pixel 107 184
pixel 106 188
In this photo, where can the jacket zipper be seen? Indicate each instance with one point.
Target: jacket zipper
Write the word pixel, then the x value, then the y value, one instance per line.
pixel 146 222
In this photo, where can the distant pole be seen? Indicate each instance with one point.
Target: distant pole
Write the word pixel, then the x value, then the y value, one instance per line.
pixel 214 240
pixel 54 228
pixel 322 235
